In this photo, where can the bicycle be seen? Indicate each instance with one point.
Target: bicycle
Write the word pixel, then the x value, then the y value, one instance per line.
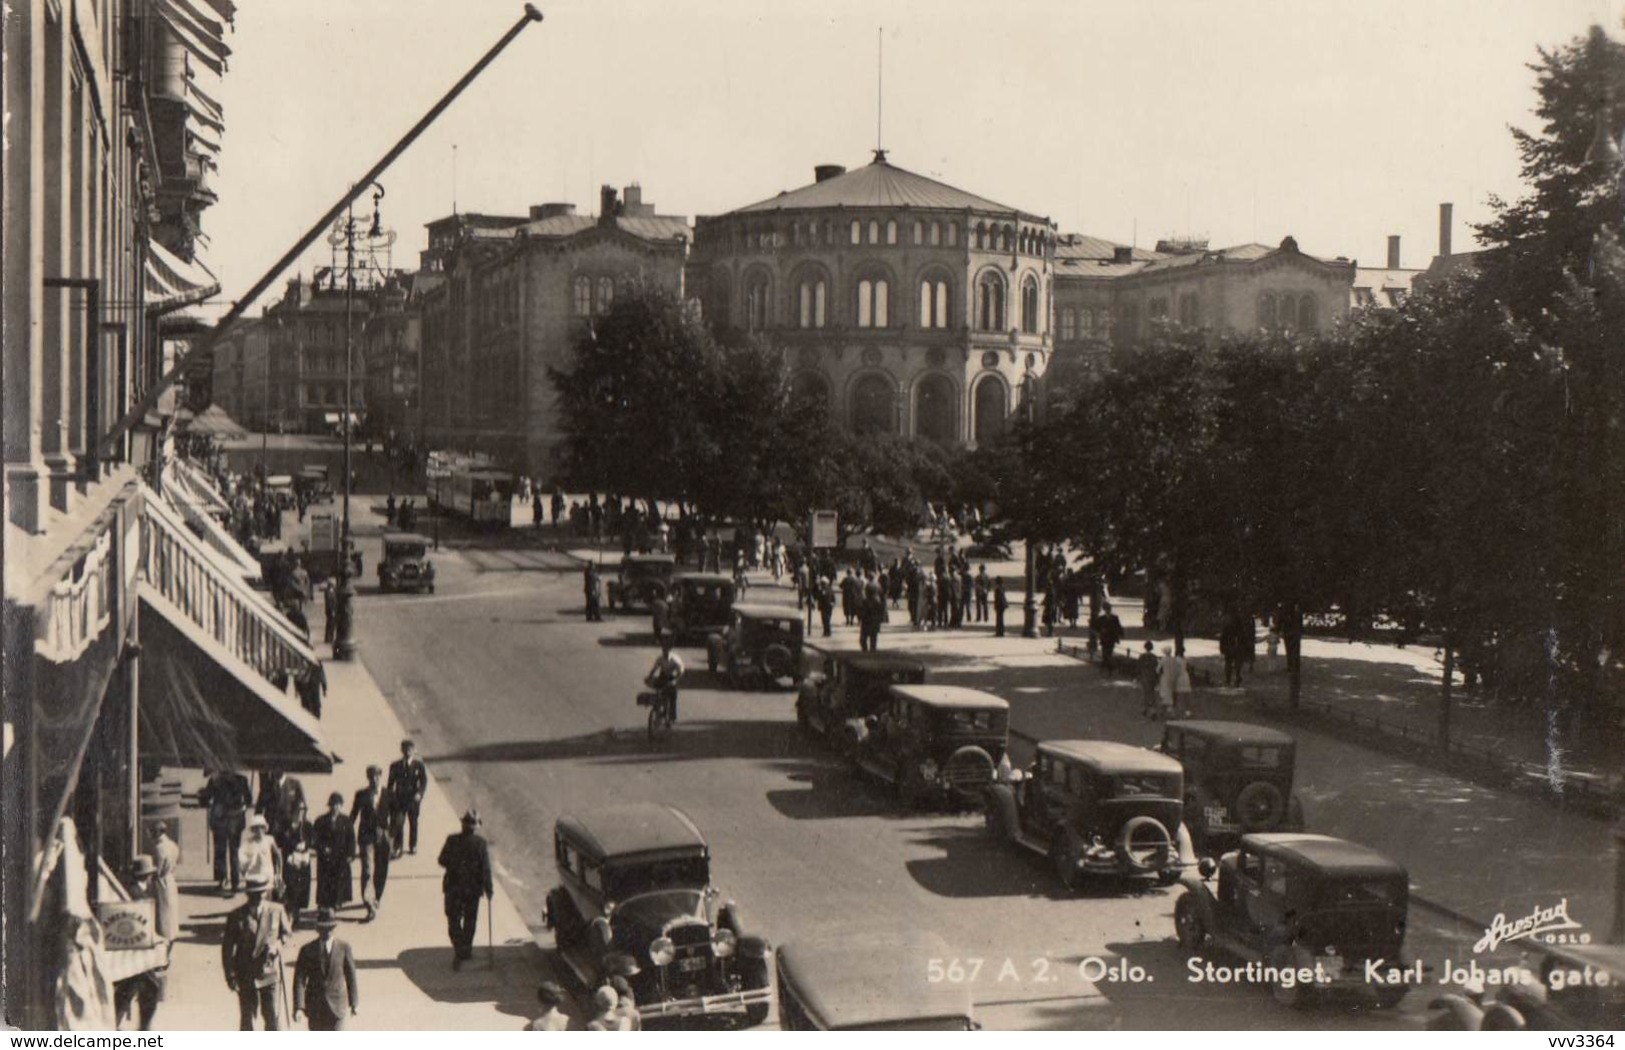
pixel 662 705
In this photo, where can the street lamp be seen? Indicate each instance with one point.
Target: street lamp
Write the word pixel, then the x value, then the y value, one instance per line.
pixel 1029 601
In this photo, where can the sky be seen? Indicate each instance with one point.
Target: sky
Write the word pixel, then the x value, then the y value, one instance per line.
pixel 1338 123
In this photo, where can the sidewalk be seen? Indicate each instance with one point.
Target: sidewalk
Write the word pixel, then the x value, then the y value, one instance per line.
pixel 403 958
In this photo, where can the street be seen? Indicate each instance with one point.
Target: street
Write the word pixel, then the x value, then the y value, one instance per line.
pixel 526 712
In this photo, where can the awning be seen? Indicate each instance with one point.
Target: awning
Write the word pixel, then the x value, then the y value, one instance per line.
pixel 202 707
pixel 213 421
pixel 172 282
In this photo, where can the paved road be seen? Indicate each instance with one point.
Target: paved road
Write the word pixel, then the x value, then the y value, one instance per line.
pixel 527 712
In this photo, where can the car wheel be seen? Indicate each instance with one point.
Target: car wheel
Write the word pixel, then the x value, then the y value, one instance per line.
pixel 756 974
pixel 777 662
pixel 1144 844
pixel 1188 925
pixel 1260 806
pixel 1294 994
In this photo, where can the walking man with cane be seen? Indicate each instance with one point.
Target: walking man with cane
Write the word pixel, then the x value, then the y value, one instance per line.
pixel 251 956
pixel 467 860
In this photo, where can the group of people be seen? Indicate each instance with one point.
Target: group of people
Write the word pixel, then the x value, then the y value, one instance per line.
pixel 404 515
pixel 945 594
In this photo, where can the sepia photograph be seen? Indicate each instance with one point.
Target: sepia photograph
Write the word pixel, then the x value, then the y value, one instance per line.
pixel 860 514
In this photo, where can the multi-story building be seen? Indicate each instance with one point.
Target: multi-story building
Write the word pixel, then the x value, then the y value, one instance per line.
pixel 242 371
pixel 907 305
pixel 310 331
pixel 515 295
pixel 133 641
pixel 390 344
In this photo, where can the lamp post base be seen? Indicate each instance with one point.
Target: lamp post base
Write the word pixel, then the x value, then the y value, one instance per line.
pixel 344 642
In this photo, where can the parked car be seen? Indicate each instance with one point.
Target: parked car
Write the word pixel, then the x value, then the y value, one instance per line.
pixel 1580 987
pixel 312 483
pixel 635 898
pixel 405 564
pixel 834 701
pixel 761 644
pixel 701 604
pixel 871 980
pixel 935 742
pixel 1238 780
pixel 643 578
pixel 1292 901
pixel 1096 807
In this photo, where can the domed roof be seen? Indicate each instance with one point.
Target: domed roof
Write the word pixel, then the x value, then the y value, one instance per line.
pixel 879 184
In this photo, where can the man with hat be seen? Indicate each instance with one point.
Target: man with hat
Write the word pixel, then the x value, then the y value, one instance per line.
pixel 552 1018
pixel 408 780
pixel 324 983
pixel 333 840
pixel 467 860
pixel 251 955
pixel 144 990
pixel 227 797
pixel 369 812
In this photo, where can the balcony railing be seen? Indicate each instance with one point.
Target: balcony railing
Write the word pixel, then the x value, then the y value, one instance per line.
pixel 206 586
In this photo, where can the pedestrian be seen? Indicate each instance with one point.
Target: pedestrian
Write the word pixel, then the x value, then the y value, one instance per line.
pixel 329 612
pixel 334 841
pixel 536 518
pixel 1148 672
pixel 966 591
pixel 1050 609
pixel 660 616
pixel 467 860
pixel 1272 648
pixel 626 1005
pixel 324 979
pixel 1173 683
pixel 849 598
pixel 928 603
pixel 826 602
pixel 144 990
pixel 251 956
pixel 294 840
pixel 870 609
pixel 1109 628
pixel 982 586
pixel 408 781
pixel 278 797
pixel 552 1018
pixel 558 505
pixel 166 859
pixel 604 1018
pixel 259 857
pixel 227 796
pixel 594 588
pixel 1000 603
pixel 369 812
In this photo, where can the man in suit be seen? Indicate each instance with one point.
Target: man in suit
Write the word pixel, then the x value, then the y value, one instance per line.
pixel 467 860
pixel 370 814
pixel 324 984
pixel 333 839
pixel 408 780
pixel 227 796
pixel 251 956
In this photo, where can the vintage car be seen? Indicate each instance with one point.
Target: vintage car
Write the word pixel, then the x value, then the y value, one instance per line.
pixel 312 483
pixel 635 898
pixel 1294 901
pixel 1238 780
pixel 851 686
pixel 1579 987
pixel 405 564
pixel 760 645
pixel 1096 808
pixel 644 578
pixel 701 604
pixel 934 742
pixel 870 980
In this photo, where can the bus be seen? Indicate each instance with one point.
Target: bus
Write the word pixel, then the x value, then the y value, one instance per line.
pixel 472 488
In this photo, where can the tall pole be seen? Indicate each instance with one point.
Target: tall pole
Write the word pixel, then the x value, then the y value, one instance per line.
pixel 344 643
pixel 1029 601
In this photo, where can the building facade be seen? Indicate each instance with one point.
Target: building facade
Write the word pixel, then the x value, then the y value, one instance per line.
pixel 907 306
pixel 513 296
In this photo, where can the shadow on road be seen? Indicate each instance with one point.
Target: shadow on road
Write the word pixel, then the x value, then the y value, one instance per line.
pixel 508 980
pixel 832 790
pixel 687 741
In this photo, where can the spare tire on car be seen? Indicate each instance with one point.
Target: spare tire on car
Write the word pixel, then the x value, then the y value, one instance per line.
pixel 1144 843
pixel 778 662
pixel 1260 806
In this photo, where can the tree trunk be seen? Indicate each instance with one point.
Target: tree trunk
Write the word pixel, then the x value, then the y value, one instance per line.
pixel 1444 695
pixel 1292 637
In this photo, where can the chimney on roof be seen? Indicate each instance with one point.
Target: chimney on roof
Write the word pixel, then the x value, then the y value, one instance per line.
pixel 632 205
pixel 550 210
pixel 607 206
pixel 1122 253
pixel 1393 251
pixel 1446 214
pixel 828 171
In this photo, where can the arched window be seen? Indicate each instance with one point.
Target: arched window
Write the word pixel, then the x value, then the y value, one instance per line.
pixel 990 302
pixel 934 303
pixel 795 234
pixel 874 303
pixel 1308 313
pixel 936 416
pixel 990 406
pixel 811 303
pixel 1266 310
pixel 1029 304
pixel 953 234
pixel 891 231
pixel 857 232
pixel 581 297
pixel 874 231
pixel 756 303
pixel 919 232
pixel 1069 324
pixel 936 233
pixel 981 236
pixel 606 294
pixel 1086 323
pixel 874 406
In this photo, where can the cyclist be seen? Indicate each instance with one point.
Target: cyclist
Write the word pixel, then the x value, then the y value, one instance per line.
pixel 664 675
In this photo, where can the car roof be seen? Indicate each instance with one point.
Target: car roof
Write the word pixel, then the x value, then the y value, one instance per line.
pixel 1336 856
pixel 650 559
pixel 957 696
pixel 869 978
pixel 874 662
pixel 279 479
pixel 708 579
pixel 631 827
pixel 404 537
pixel 767 612
pixel 1233 732
pixel 1109 756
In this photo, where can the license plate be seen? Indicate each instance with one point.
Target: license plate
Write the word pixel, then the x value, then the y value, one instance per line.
pixel 691 965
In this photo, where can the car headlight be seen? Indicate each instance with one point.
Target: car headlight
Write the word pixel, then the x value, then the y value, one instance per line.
pixel 723 942
pixel 662 951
